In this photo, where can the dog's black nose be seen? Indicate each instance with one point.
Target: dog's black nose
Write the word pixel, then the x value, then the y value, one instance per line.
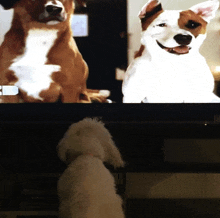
pixel 183 39
pixel 53 10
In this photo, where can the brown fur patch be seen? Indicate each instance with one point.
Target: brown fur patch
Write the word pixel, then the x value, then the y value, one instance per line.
pixel 11 77
pixel 140 52
pixel 52 94
pixel 186 16
pixel 150 15
pixel 147 23
pixel 150 8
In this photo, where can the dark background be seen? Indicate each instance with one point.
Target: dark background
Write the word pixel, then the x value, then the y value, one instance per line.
pixel 105 48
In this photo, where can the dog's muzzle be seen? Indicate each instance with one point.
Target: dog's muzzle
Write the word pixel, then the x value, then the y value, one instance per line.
pixel 183 48
pixel 178 50
pixel 53 14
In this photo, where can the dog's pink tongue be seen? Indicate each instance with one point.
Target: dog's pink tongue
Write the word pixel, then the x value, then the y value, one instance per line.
pixel 181 49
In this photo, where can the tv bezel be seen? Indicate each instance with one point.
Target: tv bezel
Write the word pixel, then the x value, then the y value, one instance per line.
pixel 116 112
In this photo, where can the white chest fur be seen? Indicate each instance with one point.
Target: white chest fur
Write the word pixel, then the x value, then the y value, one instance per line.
pixel 33 74
pixel 184 79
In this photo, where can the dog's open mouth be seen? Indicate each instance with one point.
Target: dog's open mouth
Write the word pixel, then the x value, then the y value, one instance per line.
pixel 179 50
pixel 52 19
pixel 58 19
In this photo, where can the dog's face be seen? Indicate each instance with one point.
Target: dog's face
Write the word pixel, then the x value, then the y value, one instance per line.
pixel 49 12
pixel 176 32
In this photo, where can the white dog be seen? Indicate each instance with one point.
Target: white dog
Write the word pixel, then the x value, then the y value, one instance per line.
pixel 86 189
pixel 168 67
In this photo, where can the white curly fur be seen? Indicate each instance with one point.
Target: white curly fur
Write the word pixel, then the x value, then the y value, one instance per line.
pixel 86 189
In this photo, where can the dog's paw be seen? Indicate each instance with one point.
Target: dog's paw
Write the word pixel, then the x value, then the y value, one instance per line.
pixel 105 93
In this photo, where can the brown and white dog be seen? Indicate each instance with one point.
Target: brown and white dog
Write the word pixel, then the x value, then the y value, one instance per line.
pixel 40 56
pixel 168 67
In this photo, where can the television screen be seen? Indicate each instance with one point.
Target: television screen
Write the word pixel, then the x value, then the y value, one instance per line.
pixel 48 57
pixel 115 39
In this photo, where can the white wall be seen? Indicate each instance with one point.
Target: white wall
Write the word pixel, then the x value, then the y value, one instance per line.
pixel 211 46
pixel 5 22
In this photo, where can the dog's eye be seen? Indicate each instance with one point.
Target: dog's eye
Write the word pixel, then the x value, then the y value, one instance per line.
pixel 192 24
pixel 162 25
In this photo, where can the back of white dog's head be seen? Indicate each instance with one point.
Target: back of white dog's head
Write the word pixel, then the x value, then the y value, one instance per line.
pixel 89 136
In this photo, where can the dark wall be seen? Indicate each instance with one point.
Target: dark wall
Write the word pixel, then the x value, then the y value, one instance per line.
pixel 105 48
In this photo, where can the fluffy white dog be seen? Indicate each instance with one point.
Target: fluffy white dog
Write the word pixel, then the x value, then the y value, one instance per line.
pixel 86 189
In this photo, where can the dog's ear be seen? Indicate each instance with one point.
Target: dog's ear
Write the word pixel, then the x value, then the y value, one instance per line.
pixel 150 8
pixel 206 9
pixel 82 2
pixel 8 4
pixel 113 155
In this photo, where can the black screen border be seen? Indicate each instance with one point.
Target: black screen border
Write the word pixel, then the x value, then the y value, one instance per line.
pixel 111 112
